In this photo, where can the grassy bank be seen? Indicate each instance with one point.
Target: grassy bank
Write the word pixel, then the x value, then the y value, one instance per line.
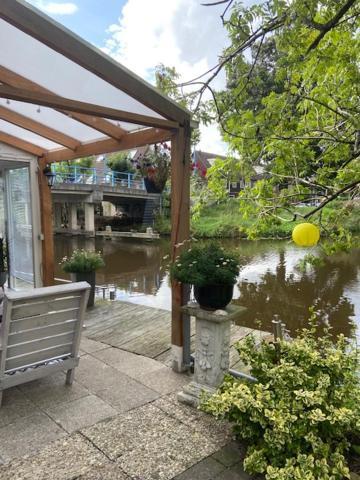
pixel 225 220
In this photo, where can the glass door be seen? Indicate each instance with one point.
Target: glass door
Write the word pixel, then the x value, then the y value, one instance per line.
pixel 19 226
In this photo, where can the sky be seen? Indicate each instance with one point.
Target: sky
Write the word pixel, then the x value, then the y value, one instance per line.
pixel 141 34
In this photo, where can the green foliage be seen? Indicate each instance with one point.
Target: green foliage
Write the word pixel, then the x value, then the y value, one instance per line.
pixel 120 162
pixel 82 261
pixel 291 105
pixel 298 417
pixel 207 264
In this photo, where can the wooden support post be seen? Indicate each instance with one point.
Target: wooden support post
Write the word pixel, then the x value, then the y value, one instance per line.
pixel 180 231
pixel 46 228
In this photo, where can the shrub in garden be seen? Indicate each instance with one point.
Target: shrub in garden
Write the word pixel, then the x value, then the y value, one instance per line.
pixel 298 418
pixel 82 261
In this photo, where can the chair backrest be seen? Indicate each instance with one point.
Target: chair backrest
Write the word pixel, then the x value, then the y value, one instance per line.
pixel 41 325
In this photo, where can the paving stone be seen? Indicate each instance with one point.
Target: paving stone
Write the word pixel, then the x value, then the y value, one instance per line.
pixel 95 375
pixel 81 413
pixel 127 395
pixel 236 473
pixel 109 471
pixel 230 455
pixel 129 363
pixel 204 470
pixel 220 432
pixel 28 435
pixel 49 391
pixel 14 406
pixel 149 444
pixel 61 460
pixel 164 380
pixel 90 346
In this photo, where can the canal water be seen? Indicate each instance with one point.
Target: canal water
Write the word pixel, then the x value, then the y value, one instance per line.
pixel 269 283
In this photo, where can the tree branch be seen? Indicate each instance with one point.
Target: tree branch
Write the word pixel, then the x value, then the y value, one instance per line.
pixel 326 27
pixel 331 198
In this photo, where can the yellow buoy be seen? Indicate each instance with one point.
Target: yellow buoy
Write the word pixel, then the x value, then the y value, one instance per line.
pixel 306 235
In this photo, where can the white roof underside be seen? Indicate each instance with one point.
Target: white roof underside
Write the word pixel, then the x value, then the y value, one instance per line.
pixel 33 60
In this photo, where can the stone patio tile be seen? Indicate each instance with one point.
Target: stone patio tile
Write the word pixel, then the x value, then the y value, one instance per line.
pixel 129 363
pixel 15 405
pixel 64 459
pixel 205 470
pixel 49 391
pixel 230 455
pixel 127 395
pixel 220 432
pixel 90 346
pixel 81 413
pixel 28 435
pixel 96 375
pixel 109 471
pixel 149 444
pixel 164 380
pixel 113 386
pixel 236 473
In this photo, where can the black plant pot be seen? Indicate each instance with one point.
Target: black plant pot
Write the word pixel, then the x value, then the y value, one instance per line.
pixel 150 186
pixel 88 277
pixel 213 297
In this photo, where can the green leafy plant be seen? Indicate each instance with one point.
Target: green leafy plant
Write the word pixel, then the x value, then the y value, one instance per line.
pixel 207 264
pixel 82 261
pixel 298 418
pixel 120 162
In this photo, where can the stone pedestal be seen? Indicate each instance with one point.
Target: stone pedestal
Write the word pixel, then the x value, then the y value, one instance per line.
pixel 211 351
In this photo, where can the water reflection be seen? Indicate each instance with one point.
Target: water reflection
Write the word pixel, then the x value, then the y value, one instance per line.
pixel 269 282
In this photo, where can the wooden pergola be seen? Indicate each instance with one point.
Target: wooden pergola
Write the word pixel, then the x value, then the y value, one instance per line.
pixel 61 99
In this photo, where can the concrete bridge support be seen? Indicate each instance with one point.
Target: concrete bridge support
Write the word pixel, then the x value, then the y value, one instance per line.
pixel 57 209
pixel 89 213
pixel 73 220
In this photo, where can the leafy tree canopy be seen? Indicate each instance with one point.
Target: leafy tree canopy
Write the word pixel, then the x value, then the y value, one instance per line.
pixel 291 104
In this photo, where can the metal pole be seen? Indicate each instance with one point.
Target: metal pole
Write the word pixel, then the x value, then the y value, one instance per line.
pixel 186 327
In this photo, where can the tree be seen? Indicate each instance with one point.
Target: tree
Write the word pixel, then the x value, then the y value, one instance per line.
pixel 291 102
pixel 120 162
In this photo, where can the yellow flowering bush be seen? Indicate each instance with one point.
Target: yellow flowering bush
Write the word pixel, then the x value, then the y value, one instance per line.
pixel 298 418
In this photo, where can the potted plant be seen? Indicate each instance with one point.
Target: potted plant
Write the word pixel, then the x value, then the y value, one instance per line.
pixel 3 263
pixel 211 270
pixel 154 166
pixel 82 266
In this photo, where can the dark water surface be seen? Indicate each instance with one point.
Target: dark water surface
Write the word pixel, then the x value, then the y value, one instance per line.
pixel 269 283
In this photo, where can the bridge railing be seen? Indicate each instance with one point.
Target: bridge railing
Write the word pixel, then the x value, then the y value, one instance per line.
pixel 90 176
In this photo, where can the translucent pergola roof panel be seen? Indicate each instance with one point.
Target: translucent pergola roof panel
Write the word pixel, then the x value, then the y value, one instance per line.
pixel 42 65
pixel 23 134
pixel 51 118
pixel 61 98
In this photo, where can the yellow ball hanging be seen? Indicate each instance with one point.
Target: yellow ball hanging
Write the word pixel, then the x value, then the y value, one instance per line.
pixel 306 235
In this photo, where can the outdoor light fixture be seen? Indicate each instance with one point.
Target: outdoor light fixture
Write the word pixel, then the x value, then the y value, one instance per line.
pixel 50 175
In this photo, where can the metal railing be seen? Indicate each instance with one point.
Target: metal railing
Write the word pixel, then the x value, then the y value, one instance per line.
pixel 91 176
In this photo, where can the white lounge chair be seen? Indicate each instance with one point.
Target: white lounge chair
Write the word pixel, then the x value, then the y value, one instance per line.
pixel 40 333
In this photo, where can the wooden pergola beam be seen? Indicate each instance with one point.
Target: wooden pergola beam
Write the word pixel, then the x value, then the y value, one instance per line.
pixel 57 102
pixel 13 79
pixel 180 233
pixel 36 127
pixel 21 144
pixel 33 22
pixel 129 141
pixel 46 217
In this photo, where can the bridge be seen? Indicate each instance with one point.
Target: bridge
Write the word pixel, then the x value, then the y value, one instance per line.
pixel 76 187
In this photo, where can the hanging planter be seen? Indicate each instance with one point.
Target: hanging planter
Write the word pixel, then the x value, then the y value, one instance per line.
pixel 151 186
